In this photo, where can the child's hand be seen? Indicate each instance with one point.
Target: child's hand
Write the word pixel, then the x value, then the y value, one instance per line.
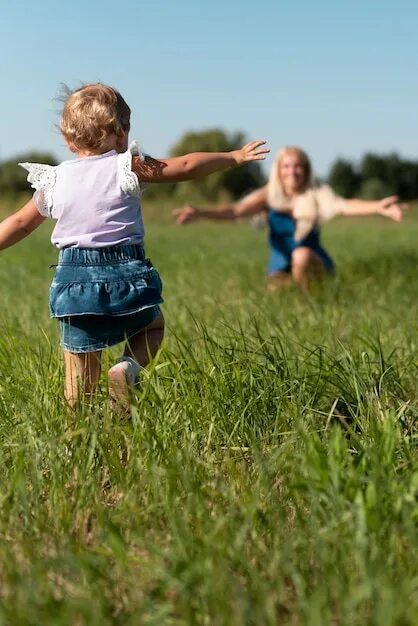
pixel 391 208
pixel 251 152
pixel 186 214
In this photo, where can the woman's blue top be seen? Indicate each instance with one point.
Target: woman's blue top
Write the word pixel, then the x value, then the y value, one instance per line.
pixel 282 242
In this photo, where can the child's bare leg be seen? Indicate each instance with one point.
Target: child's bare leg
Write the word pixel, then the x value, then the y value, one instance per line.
pixel 82 373
pixel 139 350
pixel 144 345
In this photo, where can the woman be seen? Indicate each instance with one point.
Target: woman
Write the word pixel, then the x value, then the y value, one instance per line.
pixel 295 209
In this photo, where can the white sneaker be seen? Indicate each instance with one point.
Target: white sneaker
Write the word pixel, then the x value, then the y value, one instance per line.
pixel 121 378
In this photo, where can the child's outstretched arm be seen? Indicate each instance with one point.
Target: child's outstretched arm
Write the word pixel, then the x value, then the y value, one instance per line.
pixel 388 207
pixel 19 225
pixel 195 164
pixel 253 203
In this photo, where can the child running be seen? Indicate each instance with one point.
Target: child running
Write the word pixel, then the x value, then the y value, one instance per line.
pixel 105 290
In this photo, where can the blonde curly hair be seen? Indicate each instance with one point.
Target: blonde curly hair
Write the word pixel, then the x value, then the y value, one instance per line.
pixel 91 114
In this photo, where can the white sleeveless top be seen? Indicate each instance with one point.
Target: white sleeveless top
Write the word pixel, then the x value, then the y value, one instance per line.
pixel 95 200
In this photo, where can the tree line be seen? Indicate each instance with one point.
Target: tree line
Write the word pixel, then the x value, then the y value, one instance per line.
pixel 375 176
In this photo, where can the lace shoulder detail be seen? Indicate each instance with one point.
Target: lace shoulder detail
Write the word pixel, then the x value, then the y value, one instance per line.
pixel 127 178
pixel 135 150
pixel 42 178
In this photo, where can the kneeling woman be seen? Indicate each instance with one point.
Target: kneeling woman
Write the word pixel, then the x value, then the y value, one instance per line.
pixel 295 209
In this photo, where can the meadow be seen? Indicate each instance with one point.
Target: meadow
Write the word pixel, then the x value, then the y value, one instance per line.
pixel 269 473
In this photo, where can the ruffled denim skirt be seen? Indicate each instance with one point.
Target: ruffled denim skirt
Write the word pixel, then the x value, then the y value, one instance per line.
pixel 102 296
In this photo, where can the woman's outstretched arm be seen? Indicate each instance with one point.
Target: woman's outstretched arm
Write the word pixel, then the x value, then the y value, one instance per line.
pixel 253 203
pixel 19 225
pixel 388 207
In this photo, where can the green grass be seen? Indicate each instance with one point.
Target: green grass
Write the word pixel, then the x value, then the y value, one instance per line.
pixel 269 475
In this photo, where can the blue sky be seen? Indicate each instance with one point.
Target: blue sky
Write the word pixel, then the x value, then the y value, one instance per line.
pixel 337 78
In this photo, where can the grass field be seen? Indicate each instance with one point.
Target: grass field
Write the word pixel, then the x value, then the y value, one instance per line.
pixel 269 475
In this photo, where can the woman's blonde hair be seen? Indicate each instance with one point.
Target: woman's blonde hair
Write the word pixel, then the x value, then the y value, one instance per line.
pixel 275 193
pixel 314 203
pixel 91 114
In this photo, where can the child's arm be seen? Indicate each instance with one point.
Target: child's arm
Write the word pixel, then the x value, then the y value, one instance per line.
pixel 19 225
pixel 253 203
pixel 195 164
pixel 388 207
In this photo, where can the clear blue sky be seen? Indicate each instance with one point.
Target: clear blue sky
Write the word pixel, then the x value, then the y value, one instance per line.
pixel 335 77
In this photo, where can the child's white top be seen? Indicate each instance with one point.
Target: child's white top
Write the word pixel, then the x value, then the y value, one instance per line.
pixel 95 200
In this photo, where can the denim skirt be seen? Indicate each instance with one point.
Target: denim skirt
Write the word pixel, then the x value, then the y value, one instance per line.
pixel 102 296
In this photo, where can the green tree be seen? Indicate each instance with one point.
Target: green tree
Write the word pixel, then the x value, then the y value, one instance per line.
pixel 373 166
pixel 344 179
pixel 407 187
pixel 375 188
pixel 13 178
pixel 395 175
pixel 375 177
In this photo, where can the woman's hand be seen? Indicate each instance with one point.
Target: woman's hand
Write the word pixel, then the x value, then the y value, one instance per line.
pixel 391 207
pixel 185 214
pixel 252 151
